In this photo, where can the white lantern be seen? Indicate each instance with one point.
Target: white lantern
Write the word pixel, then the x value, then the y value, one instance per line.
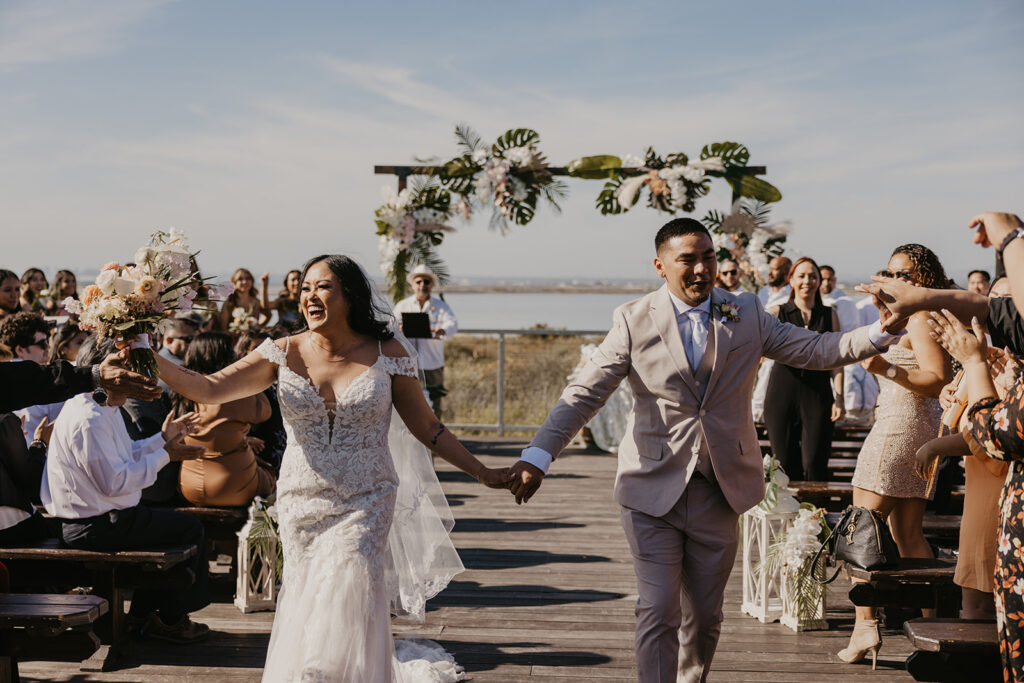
pixel 256 588
pixel 762 590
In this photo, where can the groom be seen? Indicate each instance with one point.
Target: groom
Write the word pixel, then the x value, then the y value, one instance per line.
pixel 689 463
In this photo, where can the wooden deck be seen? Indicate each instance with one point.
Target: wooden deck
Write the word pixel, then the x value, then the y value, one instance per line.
pixel 547 596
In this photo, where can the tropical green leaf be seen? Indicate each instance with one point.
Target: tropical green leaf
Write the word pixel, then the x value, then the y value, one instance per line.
pixel 606 202
pixel 518 137
pixel 755 188
pixel 731 153
pixel 595 167
pixel 467 138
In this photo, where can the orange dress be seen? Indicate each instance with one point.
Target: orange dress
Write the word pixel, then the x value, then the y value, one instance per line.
pixel 227 475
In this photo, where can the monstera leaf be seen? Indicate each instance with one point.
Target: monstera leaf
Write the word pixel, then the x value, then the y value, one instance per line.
pixel 519 137
pixel 731 153
pixel 595 168
pixel 754 187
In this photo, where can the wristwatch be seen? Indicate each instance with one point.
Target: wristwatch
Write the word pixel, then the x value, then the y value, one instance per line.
pixel 99 394
pixel 890 372
pixel 1019 232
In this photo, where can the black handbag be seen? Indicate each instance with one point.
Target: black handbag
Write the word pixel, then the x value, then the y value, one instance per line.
pixel 862 539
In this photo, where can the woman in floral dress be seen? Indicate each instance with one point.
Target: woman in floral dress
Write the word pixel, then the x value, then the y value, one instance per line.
pixel 999 427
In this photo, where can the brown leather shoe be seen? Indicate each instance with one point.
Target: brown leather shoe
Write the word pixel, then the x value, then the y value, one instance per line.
pixel 183 631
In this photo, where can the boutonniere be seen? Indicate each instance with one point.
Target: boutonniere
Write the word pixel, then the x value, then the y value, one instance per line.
pixel 729 312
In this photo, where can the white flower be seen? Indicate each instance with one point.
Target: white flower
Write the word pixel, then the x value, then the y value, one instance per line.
pixel 626 193
pixel 694 174
pixel 480 156
pixel 520 156
pixel 1000 421
pixel 631 160
pixel 124 286
pixel 105 281
pixel 72 305
pixel 109 308
pixel 145 255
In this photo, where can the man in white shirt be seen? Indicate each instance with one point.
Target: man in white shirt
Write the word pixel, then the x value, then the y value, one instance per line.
pixel 860 389
pixel 777 291
pixel 92 485
pixel 442 326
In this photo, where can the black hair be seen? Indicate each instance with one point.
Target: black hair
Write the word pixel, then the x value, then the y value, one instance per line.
pixel 827 267
pixel 364 315
pixel 20 329
pixel 26 283
pixel 6 275
pixel 59 340
pixel 928 271
pixel 94 349
pixel 677 227
pixel 249 340
pixel 984 274
pixel 208 353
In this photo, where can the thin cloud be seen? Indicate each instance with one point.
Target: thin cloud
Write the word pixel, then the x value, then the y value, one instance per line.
pixel 43 31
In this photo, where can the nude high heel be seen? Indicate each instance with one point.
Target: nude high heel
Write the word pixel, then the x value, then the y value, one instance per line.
pixel 864 639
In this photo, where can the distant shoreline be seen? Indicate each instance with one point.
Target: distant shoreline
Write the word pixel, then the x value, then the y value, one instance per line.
pixel 546 289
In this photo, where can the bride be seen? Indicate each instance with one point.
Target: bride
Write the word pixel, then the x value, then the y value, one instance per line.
pixel 337 383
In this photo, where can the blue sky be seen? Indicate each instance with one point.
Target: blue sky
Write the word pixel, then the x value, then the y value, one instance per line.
pixel 254 126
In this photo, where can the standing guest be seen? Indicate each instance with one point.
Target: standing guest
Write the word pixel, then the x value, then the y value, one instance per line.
pixel 65 285
pixel 65 342
pixel 859 387
pixel 776 292
pixel 979 281
pixel 10 291
pixel 802 405
pixel 244 297
pixel 287 302
pixel 442 326
pixel 33 283
pixel 91 484
pixel 911 376
pixel 28 336
pixel 729 276
pixel 228 474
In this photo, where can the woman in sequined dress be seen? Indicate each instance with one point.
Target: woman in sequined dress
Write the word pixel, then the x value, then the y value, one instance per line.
pixel 911 375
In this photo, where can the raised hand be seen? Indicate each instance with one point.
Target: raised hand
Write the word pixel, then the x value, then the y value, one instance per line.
pixel 895 299
pixel 174 428
pixel 526 479
pixel 992 227
pixel 118 379
pixel 956 339
pixel 43 430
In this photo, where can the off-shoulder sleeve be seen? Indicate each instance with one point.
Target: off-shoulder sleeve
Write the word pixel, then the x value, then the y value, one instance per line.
pixel 403 365
pixel 999 425
pixel 272 352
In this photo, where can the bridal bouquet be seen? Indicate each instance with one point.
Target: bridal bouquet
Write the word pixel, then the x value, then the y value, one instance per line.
pixel 127 301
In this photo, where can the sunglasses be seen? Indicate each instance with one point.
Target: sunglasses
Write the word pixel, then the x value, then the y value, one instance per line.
pixel 728 272
pixel 899 274
pixel 42 344
pixel 187 340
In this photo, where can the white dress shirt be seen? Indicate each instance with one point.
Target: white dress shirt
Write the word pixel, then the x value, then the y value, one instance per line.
pixel 93 466
pixel 770 298
pixel 430 351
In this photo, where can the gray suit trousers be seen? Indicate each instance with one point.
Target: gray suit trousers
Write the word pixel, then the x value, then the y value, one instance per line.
pixel 682 563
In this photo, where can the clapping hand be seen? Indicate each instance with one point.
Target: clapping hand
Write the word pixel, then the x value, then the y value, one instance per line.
pixel 526 479
pixel 956 339
pixel 174 431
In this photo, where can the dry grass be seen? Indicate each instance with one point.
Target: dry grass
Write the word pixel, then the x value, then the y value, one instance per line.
pixel 536 368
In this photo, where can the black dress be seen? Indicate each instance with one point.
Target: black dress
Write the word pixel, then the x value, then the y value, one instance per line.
pixel 798 407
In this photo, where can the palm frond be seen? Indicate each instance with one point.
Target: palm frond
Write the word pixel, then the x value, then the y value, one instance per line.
pixel 467 138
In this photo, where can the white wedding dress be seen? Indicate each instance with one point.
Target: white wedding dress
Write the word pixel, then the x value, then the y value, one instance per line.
pixel 336 500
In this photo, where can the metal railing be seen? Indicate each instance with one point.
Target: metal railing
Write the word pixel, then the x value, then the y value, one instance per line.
pixel 501 427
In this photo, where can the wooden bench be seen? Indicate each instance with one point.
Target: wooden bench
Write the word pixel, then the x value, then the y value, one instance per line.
pixel 110 574
pixel 25 616
pixel 834 496
pixel 953 650
pixel 922 583
pixel 221 524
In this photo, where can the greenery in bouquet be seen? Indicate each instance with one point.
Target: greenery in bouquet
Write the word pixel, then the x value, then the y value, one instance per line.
pixel 748 237
pixel 411 225
pixel 127 301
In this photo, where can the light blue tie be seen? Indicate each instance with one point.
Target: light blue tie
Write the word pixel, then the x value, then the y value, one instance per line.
pixel 697 338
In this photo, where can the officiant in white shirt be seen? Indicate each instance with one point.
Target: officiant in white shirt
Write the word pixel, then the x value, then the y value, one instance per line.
pixel 92 484
pixel 442 326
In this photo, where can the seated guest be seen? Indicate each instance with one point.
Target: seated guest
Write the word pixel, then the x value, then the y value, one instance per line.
pixel 91 483
pixel 21 470
pixel 65 285
pixel 28 336
pixel 10 291
pixel 65 342
pixel 228 474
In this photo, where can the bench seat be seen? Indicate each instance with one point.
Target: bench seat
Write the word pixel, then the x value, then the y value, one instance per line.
pixel 953 650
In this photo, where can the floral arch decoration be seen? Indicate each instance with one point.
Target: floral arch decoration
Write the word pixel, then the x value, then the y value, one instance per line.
pixel 512 176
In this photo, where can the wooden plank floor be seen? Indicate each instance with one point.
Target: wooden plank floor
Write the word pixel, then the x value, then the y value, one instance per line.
pixel 547 596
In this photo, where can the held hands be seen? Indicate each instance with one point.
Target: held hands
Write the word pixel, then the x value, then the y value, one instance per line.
pixel 895 299
pixel 956 339
pixel 493 477
pixel 526 479
pixel 174 432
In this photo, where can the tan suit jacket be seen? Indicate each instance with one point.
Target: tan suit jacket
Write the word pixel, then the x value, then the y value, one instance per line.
pixel 676 417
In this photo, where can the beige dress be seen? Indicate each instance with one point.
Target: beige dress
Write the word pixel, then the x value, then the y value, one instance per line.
pixel 904 421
